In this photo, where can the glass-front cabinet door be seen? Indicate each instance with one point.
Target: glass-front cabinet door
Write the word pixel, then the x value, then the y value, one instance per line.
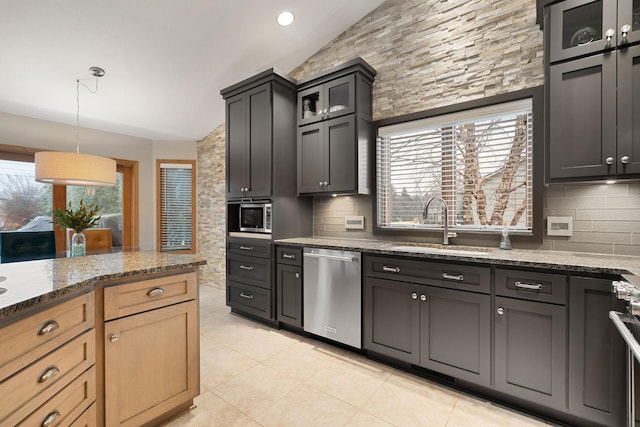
pixel 332 99
pixel 582 27
pixel 628 21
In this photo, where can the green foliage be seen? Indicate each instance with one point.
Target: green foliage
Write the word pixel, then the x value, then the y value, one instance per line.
pixel 86 216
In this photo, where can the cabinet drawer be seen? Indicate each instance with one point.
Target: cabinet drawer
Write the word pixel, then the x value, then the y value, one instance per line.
pixel 454 276
pixel 136 297
pixel 31 338
pixel 250 270
pixel 250 299
pixel 68 405
pixel 288 255
pixel 87 418
pixel 250 247
pixel 34 385
pixel 531 285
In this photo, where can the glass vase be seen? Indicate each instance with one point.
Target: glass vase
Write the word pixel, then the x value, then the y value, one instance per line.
pixel 78 244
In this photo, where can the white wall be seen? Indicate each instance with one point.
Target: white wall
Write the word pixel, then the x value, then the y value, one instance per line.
pixel 36 133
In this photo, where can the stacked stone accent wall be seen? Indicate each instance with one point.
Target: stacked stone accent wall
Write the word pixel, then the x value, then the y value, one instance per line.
pixel 211 207
pixel 434 53
pixel 428 54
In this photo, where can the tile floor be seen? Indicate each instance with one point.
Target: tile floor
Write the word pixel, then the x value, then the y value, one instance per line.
pixel 252 375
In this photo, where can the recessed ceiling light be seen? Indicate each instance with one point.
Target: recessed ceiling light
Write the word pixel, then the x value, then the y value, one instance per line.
pixel 285 18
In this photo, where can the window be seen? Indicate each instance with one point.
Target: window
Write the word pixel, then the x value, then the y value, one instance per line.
pixel 176 210
pixel 478 160
pixel 25 205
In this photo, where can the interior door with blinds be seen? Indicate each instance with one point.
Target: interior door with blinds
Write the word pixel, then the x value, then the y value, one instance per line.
pixel 176 184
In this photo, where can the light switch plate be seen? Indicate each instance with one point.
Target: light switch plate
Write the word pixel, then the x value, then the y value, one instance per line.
pixel 559 226
pixel 354 222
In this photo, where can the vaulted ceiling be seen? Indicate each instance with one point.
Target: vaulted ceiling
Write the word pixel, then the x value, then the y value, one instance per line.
pixel 165 60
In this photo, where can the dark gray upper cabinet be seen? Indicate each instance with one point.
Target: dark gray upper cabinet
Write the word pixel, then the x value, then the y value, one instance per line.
pixel 593 56
pixel 249 143
pixel 327 154
pixel 334 135
pixel 327 101
pixel 583 27
pixel 596 354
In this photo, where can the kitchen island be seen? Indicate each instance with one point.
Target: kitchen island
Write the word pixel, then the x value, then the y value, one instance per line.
pixel 107 339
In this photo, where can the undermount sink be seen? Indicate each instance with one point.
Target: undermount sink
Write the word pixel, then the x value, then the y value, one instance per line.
pixel 454 250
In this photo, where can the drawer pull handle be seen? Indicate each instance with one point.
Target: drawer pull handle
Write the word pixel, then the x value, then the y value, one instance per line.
pixel 528 286
pixel 155 292
pixel 48 373
pixel 48 327
pixel 390 269
pixel 243 295
pixel 49 419
pixel 246 248
pixel 414 295
pixel 458 277
pixel 289 256
pixel 246 267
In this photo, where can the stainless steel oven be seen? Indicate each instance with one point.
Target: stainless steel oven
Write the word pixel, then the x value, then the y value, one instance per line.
pixel 628 325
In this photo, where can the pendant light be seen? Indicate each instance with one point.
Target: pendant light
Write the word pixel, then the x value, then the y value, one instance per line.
pixel 68 168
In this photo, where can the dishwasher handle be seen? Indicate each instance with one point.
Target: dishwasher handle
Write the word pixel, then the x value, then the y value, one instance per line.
pixel 333 257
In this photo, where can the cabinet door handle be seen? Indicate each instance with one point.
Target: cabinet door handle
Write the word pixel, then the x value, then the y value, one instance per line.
pixel 246 267
pixel 155 292
pixel 246 248
pixel 48 327
pixel 390 269
pixel 114 338
pixel 48 373
pixel 297 275
pixel 529 286
pixel 458 277
pixel 423 297
pixel 289 256
pixel 624 160
pixel 609 34
pixel 49 419
pixel 243 295
pixel 414 295
pixel 609 160
pixel 325 183
pixel 624 32
pixel 500 311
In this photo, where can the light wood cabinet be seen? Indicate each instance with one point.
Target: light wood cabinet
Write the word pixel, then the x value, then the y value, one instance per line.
pixel 46 365
pixel 151 354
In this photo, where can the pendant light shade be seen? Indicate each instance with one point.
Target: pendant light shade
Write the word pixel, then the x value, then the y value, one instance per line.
pixel 65 168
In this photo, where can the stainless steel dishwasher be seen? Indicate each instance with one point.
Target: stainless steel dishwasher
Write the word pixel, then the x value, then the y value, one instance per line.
pixel 333 295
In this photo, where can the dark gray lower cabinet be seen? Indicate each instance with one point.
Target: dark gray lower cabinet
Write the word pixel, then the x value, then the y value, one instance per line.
pixel 392 319
pixel 596 354
pixel 455 333
pixel 531 351
pixel 445 330
pixel 289 294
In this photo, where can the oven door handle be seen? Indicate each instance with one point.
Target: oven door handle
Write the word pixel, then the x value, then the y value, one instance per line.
pixel 618 320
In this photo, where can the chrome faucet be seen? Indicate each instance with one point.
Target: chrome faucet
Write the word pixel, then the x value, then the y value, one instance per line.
pixel 447 234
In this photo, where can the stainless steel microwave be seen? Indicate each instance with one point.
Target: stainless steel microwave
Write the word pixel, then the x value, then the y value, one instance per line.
pixel 255 217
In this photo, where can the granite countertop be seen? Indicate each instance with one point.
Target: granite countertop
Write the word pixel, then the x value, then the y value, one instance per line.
pixel 29 283
pixel 550 260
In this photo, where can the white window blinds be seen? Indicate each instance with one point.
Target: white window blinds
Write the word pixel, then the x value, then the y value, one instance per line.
pixel 479 161
pixel 176 206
